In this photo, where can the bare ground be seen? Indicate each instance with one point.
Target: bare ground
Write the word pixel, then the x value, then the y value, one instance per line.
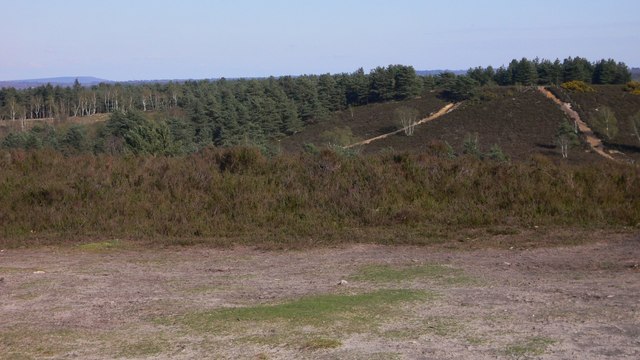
pixel 115 300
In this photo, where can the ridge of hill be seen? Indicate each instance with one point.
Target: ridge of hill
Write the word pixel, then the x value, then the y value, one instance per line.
pixel 64 81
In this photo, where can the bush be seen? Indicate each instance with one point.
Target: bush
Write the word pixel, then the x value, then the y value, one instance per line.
pixel 238 195
pixel 496 153
pixel 471 145
pixel 604 122
pixel 577 86
pixel 340 136
pixel 633 87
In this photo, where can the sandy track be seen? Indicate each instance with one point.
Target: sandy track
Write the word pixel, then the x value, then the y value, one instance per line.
pixel 594 142
pixel 445 110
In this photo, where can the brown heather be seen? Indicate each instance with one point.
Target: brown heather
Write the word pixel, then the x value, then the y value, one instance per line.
pixel 239 196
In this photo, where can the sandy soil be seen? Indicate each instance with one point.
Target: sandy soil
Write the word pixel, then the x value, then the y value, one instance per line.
pixel 552 303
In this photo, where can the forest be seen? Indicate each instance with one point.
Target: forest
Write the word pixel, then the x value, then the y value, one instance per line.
pixel 175 118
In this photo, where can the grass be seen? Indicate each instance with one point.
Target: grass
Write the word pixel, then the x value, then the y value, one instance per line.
pixel 386 274
pixel 310 323
pixel 534 346
pixel 320 310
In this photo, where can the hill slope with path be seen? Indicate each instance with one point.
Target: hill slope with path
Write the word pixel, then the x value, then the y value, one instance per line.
pixel 521 121
pixel 591 139
pixel 623 104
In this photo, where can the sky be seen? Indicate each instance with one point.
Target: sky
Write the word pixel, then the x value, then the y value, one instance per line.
pixel 195 39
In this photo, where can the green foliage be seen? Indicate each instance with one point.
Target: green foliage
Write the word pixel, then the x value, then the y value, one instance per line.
pixel 524 72
pixel 481 75
pixel 393 82
pixel 471 145
pixel 462 88
pixel 605 123
pixel 610 72
pixel 75 140
pixel 310 148
pixel 579 69
pixel 495 153
pixel 577 86
pixel 340 136
pixel 133 133
pixel 37 137
pixel 566 137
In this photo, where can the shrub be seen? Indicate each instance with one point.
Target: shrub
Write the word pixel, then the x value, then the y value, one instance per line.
pixel 565 137
pixel 341 136
pixel 239 196
pixel 577 86
pixel 605 123
pixel 633 87
pixel 496 153
pixel 471 145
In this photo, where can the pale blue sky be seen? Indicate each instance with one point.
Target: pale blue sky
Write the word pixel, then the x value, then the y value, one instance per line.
pixel 153 39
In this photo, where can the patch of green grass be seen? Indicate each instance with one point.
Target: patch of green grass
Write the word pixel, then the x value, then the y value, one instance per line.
pixel 315 311
pixel 533 346
pixel 385 273
pixel 321 343
pixel 102 245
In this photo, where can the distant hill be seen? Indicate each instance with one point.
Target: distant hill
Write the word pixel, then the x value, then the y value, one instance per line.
pixel 64 81
pixel 438 72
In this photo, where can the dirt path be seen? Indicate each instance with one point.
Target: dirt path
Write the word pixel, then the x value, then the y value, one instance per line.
pixel 594 142
pixel 118 302
pixel 445 110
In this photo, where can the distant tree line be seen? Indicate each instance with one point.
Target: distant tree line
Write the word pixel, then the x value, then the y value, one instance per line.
pixel 547 72
pixel 311 95
pixel 182 117
pixel 197 114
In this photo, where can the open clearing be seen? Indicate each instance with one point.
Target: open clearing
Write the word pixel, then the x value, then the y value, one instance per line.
pixel 116 300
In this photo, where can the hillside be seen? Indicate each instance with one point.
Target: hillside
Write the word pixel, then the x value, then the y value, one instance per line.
pixel 521 121
pixel 365 122
pixel 623 104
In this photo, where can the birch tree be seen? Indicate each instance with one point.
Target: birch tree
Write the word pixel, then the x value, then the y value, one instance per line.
pixel 407 117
